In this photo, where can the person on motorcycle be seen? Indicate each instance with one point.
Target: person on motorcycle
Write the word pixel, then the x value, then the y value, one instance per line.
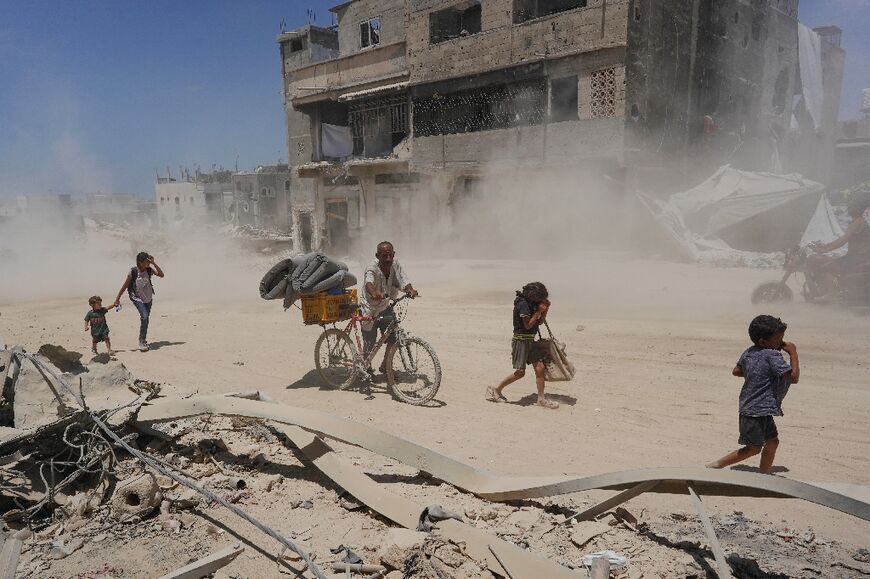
pixel 826 268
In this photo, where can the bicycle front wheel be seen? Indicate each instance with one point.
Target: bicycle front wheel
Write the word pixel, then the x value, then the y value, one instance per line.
pixel 336 358
pixel 413 371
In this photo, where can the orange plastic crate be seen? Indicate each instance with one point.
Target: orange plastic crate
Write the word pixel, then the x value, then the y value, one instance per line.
pixel 323 308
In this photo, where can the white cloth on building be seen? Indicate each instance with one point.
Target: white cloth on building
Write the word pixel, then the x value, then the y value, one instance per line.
pixel 388 287
pixel 336 142
pixel 810 55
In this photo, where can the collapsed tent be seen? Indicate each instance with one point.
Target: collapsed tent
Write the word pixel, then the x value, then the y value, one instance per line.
pixel 303 275
pixel 746 211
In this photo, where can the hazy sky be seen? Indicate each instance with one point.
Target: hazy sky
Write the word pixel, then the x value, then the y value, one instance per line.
pixel 97 94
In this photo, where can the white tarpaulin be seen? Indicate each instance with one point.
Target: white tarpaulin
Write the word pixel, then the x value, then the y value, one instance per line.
pixel 823 226
pixel 336 142
pixel 810 56
pixel 754 211
pixel 731 196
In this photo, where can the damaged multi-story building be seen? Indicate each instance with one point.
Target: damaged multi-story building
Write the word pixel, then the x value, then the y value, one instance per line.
pixel 395 114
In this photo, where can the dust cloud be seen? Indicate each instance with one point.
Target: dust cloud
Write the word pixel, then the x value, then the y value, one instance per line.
pixel 49 255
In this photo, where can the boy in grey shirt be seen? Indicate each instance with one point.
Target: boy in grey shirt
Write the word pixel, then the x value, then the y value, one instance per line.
pixel 767 377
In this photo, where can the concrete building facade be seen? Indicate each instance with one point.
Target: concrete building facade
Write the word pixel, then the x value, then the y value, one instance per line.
pixel 399 112
pixel 195 199
pixel 261 198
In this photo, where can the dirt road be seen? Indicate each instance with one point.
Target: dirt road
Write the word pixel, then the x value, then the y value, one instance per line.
pixel 654 343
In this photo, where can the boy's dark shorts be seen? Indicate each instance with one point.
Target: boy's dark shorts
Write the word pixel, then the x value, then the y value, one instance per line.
pixel 101 337
pixel 756 430
pixel 524 352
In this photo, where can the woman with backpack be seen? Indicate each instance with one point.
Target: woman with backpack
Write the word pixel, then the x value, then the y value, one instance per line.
pixel 141 292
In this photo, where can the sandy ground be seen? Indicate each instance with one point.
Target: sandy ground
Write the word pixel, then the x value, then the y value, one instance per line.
pixel 654 343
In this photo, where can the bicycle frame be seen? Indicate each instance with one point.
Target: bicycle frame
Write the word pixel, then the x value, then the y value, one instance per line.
pixel 353 329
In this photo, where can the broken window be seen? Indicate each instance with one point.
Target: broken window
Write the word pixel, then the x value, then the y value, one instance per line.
pixel 563 99
pixel 296 45
pixel 462 19
pixel 378 125
pixel 604 93
pixel 495 107
pixel 340 180
pixel 370 32
pixel 396 178
pixel 530 9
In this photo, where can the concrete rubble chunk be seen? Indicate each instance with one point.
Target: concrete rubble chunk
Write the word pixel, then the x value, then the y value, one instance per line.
pixel 62 359
pixel 585 531
pixel 523 519
pixel 207 565
pixel 137 496
pixel 398 545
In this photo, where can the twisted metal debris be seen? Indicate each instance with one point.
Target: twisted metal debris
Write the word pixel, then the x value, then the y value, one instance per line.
pixel 161 467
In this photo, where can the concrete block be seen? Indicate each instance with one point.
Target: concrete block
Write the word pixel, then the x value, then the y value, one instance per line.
pixel 398 545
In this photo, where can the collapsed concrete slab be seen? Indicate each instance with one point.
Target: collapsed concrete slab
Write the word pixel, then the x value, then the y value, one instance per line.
pixel 708 482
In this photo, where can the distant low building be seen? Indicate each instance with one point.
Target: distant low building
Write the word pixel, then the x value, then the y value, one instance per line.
pixel 117 208
pixel 198 199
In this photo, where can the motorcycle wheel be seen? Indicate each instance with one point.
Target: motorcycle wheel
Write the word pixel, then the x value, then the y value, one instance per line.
pixel 770 292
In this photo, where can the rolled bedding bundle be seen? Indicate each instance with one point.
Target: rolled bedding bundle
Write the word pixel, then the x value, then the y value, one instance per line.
pixel 304 275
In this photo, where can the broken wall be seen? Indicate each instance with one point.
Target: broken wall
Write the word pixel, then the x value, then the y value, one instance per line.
pixel 501 43
pixel 709 82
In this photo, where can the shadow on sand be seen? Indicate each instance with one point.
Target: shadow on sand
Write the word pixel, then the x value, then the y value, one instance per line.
pixel 377 386
pixel 748 468
pixel 163 344
pixel 532 399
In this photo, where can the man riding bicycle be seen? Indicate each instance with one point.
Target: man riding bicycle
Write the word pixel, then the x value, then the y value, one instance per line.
pixel 382 281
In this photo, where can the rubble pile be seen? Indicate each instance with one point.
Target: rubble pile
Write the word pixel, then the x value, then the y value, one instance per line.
pixel 76 502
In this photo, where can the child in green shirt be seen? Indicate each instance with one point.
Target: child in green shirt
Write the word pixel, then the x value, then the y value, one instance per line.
pixel 96 321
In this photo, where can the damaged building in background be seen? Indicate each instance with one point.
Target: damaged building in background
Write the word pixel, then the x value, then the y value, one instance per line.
pixel 395 115
pixel 197 198
pixel 261 198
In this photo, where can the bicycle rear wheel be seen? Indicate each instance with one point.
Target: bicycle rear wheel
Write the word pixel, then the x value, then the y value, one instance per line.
pixel 336 358
pixel 413 371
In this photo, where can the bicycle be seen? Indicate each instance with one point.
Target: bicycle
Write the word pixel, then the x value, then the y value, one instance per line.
pixel 416 377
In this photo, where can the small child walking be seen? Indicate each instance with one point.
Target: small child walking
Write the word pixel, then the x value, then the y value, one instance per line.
pixel 95 320
pixel 530 311
pixel 766 379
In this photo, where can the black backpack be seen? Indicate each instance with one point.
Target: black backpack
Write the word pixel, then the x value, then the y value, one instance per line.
pixel 134 273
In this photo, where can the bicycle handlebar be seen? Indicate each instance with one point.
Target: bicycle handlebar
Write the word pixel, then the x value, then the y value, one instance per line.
pixel 404 297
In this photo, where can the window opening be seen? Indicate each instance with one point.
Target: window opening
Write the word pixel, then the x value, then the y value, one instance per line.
pixel 396 178
pixel 530 9
pixel 604 93
pixel 462 19
pixel 340 180
pixel 563 99
pixel 370 32
pixel 378 125
pixel 296 45
pixel 496 107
